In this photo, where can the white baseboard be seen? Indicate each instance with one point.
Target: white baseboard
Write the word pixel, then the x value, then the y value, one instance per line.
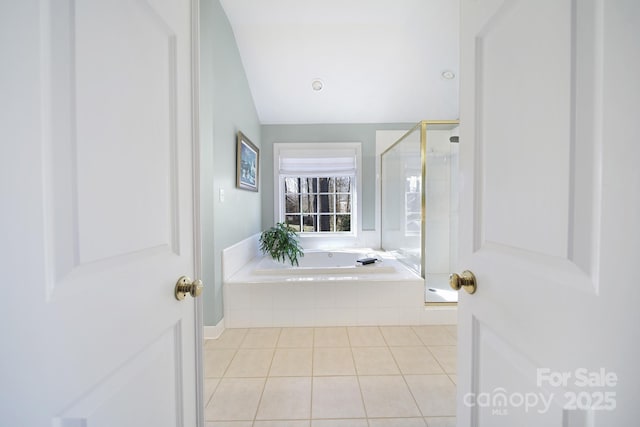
pixel 214 332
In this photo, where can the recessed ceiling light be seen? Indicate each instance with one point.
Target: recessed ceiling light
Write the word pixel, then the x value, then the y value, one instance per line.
pixel 448 75
pixel 317 85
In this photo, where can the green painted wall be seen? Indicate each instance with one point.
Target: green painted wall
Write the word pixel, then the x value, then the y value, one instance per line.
pixel 364 133
pixel 226 106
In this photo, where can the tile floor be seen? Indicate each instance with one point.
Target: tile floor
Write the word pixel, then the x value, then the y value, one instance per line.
pixel 365 376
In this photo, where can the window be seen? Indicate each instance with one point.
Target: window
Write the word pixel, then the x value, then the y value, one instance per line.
pixel 317 187
pixel 318 204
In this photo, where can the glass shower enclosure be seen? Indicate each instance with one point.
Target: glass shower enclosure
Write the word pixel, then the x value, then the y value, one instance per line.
pixel 419 195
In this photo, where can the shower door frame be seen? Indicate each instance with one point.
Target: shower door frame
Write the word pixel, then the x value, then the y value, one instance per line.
pixel 422 126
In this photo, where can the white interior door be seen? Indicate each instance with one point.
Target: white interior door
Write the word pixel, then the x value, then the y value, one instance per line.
pixel 549 213
pixel 97 213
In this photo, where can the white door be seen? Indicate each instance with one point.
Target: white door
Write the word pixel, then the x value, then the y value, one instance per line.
pixel 550 211
pixel 97 213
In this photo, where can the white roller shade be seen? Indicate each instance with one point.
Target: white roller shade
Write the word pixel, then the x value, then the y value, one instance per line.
pixel 337 161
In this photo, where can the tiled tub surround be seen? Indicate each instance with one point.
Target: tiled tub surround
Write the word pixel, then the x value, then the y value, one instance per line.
pixel 398 376
pixel 386 293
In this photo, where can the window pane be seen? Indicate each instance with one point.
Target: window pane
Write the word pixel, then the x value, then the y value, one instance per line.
pixel 309 204
pixel 326 185
pixel 292 185
pixel 343 204
pixel 343 222
pixel 292 203
pixel 309 185
pixel 293 221
pixel 326 203
pixel 343 184
pixel 326 223
pixel 309 223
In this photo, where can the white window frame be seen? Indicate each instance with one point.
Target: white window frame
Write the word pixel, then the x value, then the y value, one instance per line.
pixel 356 203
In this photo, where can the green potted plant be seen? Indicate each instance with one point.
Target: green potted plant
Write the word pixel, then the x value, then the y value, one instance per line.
pixel 281 242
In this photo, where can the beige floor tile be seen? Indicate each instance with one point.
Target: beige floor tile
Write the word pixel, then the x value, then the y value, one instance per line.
pixel 261 338
pixel 416 360
pixel 210 385
pixel 441 421
pixel 387 396
pixel 216 362
pixel 434 335
pixel 362 422
pixel 374 361
pixel 296 337
pixel 365 336
pixel 282 423
pixel 397 422
pixel 333 361
pixel 250 363
pixel 435 394
pixel 454 378
pixel 235 399
pixel 291 362
pixel 330 337
pixel 453 330
pixel 230 338
pixel 336 397
pixel 397 336
pixel 447 356
pixel 286 399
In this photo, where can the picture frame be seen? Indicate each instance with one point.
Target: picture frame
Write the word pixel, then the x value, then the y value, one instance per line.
pixel 247 164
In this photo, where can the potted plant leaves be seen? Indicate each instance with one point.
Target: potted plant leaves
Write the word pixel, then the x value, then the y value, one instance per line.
pixel 281 242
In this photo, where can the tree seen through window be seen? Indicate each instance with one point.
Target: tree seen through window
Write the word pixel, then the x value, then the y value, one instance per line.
pixel 318 204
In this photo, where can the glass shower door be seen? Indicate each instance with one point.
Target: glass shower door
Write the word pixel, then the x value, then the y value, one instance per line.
pixel 419 204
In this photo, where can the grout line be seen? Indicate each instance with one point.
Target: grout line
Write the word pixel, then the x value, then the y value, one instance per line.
pixel 436 359
pixel 264 386
pixel 454 382
pixel 278 339
pixel 235 353
pixel 415 401
pixel 455 337
pixel 355 368
pixel 389 349
pixel 212 393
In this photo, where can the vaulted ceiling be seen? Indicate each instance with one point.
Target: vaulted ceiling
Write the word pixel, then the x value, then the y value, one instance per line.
pixel 380 61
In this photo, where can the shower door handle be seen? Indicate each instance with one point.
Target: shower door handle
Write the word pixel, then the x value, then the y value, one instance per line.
pixel 467 281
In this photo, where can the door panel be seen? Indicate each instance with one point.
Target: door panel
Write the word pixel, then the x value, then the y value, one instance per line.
pixel 527 142
pixel 497 404
pixel 108 404
pixel 540 100
pixel 131 130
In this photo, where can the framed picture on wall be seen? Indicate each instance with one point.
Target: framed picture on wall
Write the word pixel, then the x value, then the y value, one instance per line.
pixel 248 164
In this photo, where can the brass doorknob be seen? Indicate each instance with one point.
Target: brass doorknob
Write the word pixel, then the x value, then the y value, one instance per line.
pixel 186 285
pixel 467 281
